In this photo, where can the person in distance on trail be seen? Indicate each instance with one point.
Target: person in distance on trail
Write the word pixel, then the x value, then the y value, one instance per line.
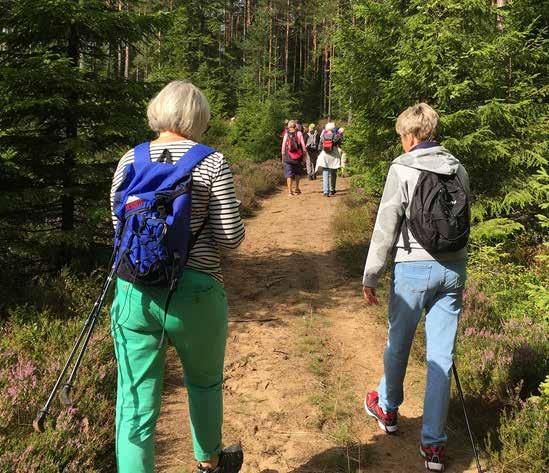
pixel 429 249
pixel 196 318
pixel 329 158
pixel 312 139
pixel 293 150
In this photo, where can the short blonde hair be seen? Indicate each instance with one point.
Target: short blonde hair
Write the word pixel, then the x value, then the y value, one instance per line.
pixel 330 126
pixel 292 124
pixel 420 121
pixel 179 107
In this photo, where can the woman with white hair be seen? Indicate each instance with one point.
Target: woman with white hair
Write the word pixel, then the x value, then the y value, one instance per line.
pixel 196 318
pixel 329 158
pixel 422 225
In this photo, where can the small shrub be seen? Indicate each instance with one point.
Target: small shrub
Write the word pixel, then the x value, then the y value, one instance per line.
pixel 34 343
pixel 352 227
pixel 253 181
pixel 503 348
pixel 524 436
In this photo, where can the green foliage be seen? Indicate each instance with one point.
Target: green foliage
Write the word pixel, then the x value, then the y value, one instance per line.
pixel 65 115
pixel 486 82
pixel 504 351
pixel 192 49
pixel 524 436
pixel 259 121
pixel 495 230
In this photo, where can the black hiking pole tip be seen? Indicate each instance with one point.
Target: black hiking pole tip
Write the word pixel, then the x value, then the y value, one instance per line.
pixel 65 395
pixel 39 423
pixel 462 399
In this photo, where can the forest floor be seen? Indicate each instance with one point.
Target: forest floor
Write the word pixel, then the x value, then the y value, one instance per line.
pixel 303 349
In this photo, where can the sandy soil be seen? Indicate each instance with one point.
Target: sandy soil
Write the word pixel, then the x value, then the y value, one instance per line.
pixel 302 351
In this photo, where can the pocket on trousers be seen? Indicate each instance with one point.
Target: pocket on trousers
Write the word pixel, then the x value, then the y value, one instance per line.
pixel 196 285
pixel 413 277
pixel 456 275
pixel 132 306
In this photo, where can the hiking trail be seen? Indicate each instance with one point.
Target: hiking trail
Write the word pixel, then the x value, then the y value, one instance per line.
pixel 302 351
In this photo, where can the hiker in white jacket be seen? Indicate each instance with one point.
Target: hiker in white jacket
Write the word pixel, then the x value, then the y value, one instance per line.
pixel 421 280
pixel 329 159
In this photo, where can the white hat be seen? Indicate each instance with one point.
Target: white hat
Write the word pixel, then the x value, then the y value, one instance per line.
pixel 329 126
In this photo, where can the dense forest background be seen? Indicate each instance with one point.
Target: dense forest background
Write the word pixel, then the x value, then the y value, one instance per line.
pixel 75 78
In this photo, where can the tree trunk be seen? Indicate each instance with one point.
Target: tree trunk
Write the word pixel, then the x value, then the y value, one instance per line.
pixel 294 66
pixel 71 132
pixel 270 48
pixel 300 77
pixel 499 18
pixel 119 50
pixel 287 43
pixel 315 48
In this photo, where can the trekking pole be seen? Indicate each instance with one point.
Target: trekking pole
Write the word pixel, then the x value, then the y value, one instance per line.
pixel 460 392
pixel 65 394
pixel 86 332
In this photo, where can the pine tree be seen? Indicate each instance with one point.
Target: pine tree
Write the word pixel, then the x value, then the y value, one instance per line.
pixel 64 112
pixel 482 68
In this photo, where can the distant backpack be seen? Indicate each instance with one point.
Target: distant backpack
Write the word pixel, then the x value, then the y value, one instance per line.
pixel 330 139
pixel 439 214
pixel 293 146
pixel 312 141
pixel 153 236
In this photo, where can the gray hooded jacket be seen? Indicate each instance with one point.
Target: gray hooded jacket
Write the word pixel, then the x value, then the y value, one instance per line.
pixel 397 194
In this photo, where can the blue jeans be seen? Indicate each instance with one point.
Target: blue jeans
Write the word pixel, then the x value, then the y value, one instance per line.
pixel 329 177
pixel 437 288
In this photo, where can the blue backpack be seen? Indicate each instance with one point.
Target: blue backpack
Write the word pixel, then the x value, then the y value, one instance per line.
pixel 153 236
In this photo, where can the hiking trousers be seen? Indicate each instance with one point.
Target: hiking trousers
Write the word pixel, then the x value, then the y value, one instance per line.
pixel 310 162
pixel 196 325
pixel 329 179
pixel 437 288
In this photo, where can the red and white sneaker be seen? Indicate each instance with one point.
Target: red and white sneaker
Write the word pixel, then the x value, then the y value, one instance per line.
pixel 434 456
pixel 387 421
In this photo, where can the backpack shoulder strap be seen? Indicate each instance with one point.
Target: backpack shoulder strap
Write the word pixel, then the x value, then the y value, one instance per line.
pixel 405 235
pixel 193 157
pixel 142 155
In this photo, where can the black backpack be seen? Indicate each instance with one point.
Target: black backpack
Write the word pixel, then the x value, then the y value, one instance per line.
pixel 439 214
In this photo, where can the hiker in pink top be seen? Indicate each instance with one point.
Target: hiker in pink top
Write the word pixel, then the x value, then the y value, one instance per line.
pixel 293 151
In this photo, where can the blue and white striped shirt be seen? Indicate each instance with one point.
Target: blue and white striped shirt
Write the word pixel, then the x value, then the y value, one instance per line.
pixel 213 196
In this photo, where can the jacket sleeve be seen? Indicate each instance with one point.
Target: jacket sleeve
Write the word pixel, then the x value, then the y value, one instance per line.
pixel 391 211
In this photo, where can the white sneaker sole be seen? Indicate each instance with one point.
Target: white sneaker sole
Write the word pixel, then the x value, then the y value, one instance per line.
pixel 431 466
pixel 389 429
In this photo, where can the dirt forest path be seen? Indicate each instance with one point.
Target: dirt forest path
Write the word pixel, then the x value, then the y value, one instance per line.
pixel 302 350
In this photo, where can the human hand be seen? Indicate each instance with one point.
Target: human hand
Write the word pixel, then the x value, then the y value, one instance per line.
pixel 370 295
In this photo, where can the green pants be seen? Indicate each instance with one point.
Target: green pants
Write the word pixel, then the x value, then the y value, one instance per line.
pixel 197 326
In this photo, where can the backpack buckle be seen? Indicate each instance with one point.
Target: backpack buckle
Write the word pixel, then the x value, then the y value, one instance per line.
pixel 161 209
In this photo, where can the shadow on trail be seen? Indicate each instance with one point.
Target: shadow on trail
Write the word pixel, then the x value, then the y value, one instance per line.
pixel 362 458
pixel 284 281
